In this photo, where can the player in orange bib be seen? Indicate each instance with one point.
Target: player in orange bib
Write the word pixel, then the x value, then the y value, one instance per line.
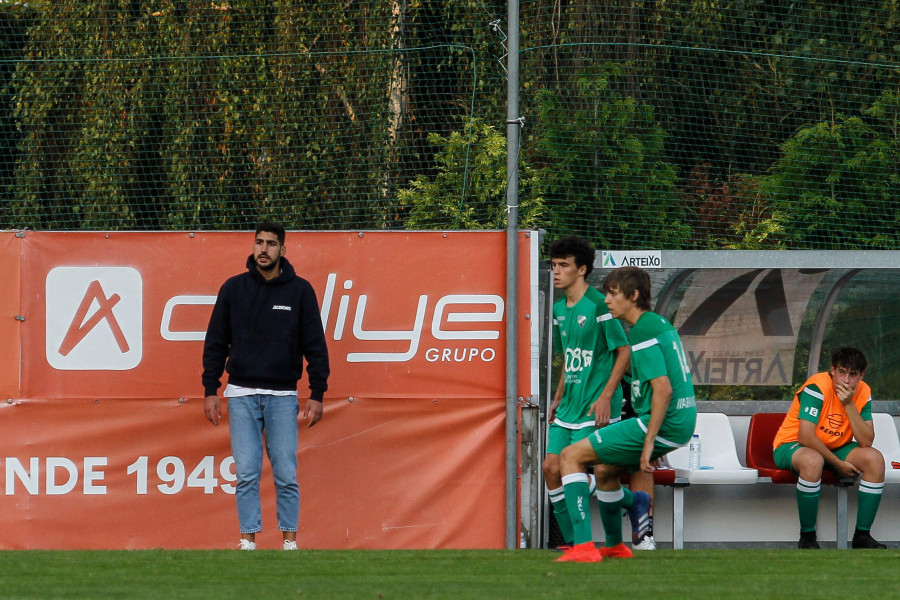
pixel 829 425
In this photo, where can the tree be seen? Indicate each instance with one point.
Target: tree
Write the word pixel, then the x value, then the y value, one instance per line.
pixel 597 156
pixel 469 189
pixel 836 185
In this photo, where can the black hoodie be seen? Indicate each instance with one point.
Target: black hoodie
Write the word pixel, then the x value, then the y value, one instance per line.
pixel 264 329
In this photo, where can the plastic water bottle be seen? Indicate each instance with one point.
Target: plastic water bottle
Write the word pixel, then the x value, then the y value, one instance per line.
pixel 694 453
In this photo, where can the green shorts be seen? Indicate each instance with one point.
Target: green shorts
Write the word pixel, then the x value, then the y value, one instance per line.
pixel 784 454
pixel 622 443
pixel 558 437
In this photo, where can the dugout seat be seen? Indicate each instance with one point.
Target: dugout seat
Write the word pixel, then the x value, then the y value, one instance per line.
pixel 719 462
pixel 760 436
pixel 661 476
pixel 887 441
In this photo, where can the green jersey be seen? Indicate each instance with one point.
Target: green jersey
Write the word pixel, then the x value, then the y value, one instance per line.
pixel 587 335
pixel 656 350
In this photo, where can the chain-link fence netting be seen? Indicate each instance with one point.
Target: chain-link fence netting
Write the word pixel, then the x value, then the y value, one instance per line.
pixel 677 124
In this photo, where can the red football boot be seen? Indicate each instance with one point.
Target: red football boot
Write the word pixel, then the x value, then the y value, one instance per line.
pixel 586 553
pixel 618 551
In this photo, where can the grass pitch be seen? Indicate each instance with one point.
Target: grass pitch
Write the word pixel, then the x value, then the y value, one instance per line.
pixel 476 574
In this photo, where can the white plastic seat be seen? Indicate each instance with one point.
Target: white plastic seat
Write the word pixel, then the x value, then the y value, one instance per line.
pixel 887 441
pixel 719 454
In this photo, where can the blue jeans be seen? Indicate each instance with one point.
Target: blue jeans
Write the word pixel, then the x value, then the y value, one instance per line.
pixel 249 417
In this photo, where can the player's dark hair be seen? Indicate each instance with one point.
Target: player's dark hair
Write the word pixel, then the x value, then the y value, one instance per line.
pixel 627 280
pixel 849 358
pixel 270 227
pixel 578 248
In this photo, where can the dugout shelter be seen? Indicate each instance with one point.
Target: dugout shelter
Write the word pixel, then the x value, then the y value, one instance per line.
pixel 755 325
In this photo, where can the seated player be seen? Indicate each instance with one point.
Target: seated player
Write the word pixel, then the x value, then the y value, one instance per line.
pixel 829 425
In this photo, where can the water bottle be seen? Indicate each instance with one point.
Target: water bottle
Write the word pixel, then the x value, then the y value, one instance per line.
pixel 694 453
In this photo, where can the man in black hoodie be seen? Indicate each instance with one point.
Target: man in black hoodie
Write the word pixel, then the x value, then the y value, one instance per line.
pixel 264 323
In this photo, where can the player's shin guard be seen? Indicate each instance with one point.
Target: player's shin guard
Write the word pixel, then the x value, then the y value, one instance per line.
pixel 611 515
pixel 867 498
pixel 561 512
pixel 808 503
pixel 577 493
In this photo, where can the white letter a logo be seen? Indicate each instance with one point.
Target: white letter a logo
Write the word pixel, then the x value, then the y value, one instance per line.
pixel 94 318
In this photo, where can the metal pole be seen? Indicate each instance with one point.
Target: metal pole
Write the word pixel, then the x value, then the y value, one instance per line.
pixel 512 308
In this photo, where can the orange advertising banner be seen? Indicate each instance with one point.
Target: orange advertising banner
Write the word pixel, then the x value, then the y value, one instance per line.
pixel 10 317
pixel 106 445
pixel 123 314
pixel 375 473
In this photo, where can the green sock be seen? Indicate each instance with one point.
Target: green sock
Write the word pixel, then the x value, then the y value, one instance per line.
pixel 561 512
pixel 808 503
pixel 867 500
pixel 577 495
pixel 611 515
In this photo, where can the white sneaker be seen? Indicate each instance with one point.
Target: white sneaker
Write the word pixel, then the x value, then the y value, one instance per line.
pixel 246 544
pixel 648 543
pixel 290 545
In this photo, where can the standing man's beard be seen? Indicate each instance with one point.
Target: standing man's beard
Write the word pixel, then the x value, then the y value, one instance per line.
pixel 269 267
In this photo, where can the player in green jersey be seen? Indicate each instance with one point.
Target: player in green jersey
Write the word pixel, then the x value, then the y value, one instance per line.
pixel 595 351
pixel 663 399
